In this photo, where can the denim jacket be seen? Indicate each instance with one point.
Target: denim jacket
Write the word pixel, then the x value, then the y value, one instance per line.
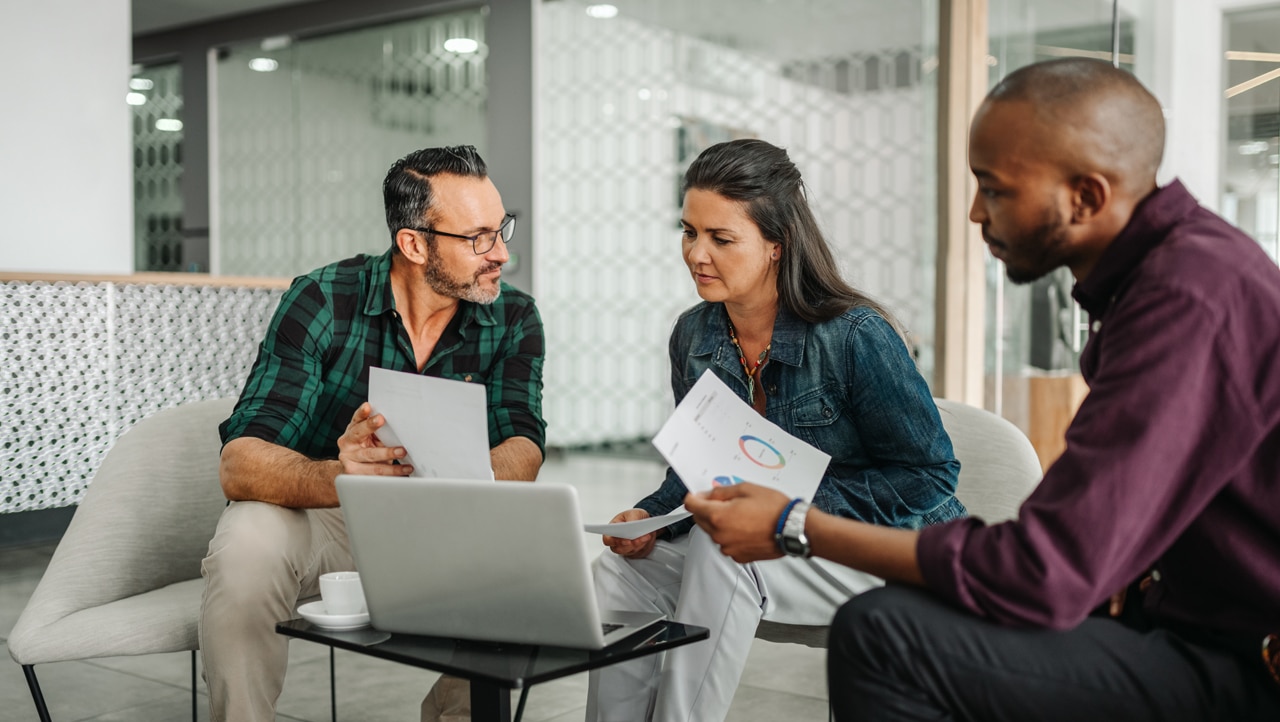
pixel 847 386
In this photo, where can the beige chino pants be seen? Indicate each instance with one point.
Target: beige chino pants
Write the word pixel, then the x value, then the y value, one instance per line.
pixel 262 559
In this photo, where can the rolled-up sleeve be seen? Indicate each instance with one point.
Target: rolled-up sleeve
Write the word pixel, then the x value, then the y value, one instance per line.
pixel 285 382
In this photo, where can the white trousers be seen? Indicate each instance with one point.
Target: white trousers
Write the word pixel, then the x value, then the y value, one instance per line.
pixel 689 580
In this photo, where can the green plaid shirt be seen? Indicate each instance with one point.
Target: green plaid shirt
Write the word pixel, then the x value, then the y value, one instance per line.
pixel 312 370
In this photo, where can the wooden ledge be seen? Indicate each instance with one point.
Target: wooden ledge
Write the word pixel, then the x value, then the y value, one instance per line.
pixel 150 279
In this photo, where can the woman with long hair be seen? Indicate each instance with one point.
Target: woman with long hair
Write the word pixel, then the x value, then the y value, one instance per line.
pixel 821 360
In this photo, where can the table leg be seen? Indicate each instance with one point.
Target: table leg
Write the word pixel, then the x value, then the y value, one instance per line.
pixel 489 702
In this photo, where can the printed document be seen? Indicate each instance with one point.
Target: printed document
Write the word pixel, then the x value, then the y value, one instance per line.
pixel 441 423
pixel 716 439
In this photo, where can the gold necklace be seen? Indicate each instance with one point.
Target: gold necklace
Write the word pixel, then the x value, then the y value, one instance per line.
pixel 752 372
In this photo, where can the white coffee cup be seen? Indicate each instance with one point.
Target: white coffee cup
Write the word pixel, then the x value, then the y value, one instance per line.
pixel 342 593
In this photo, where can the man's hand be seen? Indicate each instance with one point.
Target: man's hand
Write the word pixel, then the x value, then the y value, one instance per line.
pixel 637 548
pixel 360 451
pixel 740 518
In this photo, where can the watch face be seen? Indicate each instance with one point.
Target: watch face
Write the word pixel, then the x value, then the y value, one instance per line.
pixel 794 547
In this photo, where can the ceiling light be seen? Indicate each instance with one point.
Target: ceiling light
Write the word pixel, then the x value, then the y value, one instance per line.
pixel 263 65
pixel 461 45
pixel 141 84
pixel 135 99
pixel 602 12
pixel 171 125
pixel 276 42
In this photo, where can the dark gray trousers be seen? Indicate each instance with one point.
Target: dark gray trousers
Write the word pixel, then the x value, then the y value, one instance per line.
pixel 900 653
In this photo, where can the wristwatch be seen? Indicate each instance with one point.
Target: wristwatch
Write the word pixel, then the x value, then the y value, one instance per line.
pixel 791 539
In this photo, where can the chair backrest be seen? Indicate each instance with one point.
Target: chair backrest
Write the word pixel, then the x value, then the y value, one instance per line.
pixel 998 465
pixel 147 517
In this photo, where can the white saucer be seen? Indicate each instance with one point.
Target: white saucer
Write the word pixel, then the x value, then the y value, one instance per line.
pixel 314 612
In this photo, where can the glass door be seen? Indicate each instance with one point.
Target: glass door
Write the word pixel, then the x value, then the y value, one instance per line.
pixel 1251 150
pixel 1034 332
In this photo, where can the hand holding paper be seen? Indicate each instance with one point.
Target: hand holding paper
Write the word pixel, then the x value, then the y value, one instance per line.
pixel 440 422
pixel 638 528
pixel 715 439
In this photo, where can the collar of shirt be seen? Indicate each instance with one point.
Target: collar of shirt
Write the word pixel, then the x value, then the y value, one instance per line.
pixel 1152 220
pixel 381 299
pixel 787 343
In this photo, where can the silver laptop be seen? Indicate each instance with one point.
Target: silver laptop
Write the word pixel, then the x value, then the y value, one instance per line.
pixel 498 562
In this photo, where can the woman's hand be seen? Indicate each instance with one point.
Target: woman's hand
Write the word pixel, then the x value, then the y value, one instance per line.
pixel 637 548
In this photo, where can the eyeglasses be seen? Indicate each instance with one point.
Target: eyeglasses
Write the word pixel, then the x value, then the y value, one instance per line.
pixel 483 242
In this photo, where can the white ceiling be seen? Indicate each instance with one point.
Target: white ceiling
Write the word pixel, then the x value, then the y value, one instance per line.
pixel 152 15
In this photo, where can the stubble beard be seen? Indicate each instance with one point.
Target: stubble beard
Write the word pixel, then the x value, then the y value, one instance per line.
pixel 440 281
pixel 1037 253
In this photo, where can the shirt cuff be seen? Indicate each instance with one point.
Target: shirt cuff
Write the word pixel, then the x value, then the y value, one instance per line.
pixel 939 551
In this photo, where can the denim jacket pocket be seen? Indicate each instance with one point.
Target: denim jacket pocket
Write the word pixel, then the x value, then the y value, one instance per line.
pixel 820 420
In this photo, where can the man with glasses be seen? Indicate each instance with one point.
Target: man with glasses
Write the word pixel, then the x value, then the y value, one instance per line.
pixel 433 304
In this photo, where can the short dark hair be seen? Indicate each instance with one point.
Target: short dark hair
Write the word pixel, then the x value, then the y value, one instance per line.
pixel 406 192
pixel 762 176
pixel 1129 140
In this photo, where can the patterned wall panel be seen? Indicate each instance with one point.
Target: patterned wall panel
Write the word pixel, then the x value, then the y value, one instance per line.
pixel 303 149
pixel 84 362
pixel 624 106
pixel 155 94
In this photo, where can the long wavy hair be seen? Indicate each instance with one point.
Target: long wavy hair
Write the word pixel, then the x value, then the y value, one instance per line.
pixel 762 176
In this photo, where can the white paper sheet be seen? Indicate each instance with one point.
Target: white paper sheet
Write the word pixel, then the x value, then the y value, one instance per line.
pixel 633 529
pixel 715 439
pixel 441 423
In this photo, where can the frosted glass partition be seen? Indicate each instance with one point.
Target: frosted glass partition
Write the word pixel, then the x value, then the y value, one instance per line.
pixel 155 94
pixel 624 104
pixel 306 130
pixel 86 361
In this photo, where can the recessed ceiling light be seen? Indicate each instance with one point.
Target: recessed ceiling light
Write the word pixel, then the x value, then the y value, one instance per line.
pixel 276 42
pixel 171 125
pixel 135 99
pixel 461 45
pixel 141 84
pixel 602 12
pixel 263 65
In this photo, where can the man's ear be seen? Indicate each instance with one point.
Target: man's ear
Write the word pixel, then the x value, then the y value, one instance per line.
pixel 412 245
pixel 1091 196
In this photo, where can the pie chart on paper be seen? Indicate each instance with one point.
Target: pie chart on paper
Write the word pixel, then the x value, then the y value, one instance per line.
pixel 761 452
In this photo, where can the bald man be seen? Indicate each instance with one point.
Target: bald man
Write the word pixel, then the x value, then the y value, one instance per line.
pixel 1141 580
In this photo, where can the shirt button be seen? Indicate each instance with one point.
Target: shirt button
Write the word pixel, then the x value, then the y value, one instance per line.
pixel 773 389
pixel 1155 575
pixel 1096 327
pixel 826 411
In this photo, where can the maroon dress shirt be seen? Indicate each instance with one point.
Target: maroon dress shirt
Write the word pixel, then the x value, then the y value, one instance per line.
pixel 1172 464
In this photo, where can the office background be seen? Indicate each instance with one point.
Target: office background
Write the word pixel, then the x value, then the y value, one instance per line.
pixel 248 141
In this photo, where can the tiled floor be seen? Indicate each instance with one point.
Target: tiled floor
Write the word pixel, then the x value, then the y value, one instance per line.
pixel 780 681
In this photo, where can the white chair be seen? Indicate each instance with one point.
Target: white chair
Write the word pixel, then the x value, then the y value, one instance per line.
pixel 125 578
pixel 998 470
